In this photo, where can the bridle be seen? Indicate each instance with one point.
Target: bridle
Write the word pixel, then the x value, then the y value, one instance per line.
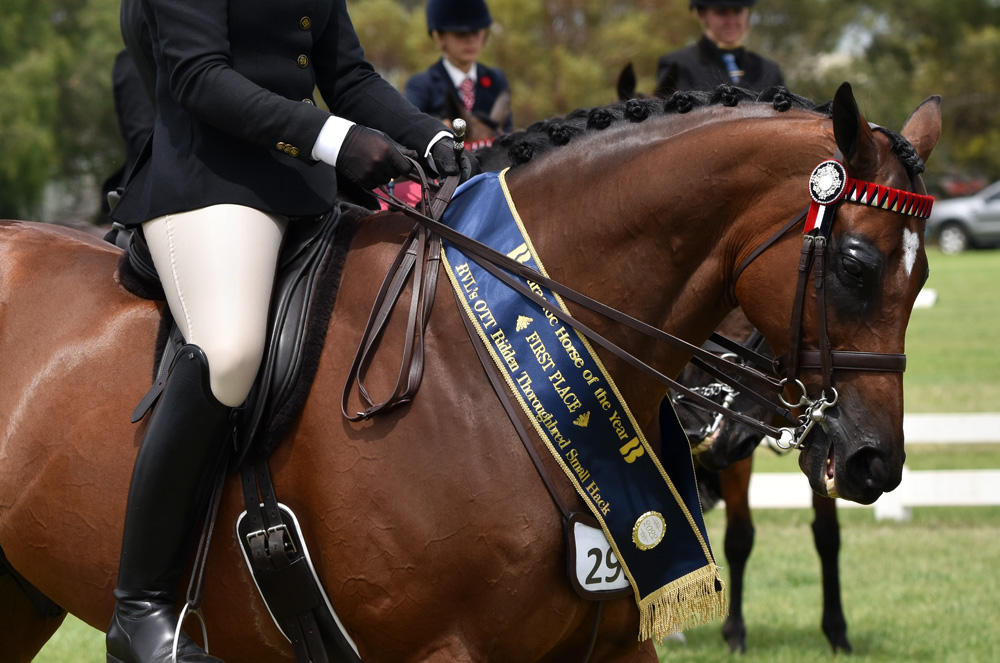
pixel 829 186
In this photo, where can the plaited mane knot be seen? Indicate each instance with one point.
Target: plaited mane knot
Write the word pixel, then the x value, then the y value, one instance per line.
pixel 727 95
pixel 561 133
pixel 682 102
pixel 904 151
pixel 781 101
pixel 636 111
pixel 521 153
pixel 600 118
pixel 730 95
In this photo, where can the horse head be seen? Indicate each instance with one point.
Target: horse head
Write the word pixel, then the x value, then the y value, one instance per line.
pixel 875 265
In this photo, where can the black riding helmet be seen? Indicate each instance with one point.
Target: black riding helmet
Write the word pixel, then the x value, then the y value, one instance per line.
pixel 721 4
pixel 457 15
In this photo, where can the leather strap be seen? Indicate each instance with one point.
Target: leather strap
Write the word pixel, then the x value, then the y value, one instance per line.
pixel 421 256
pixel 847 360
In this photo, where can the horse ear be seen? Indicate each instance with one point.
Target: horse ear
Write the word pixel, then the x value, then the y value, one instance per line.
pixel 453 107
pixel 923 127
pixel 854 137
pixel 627 83
pixel 667 84
pixel 500 110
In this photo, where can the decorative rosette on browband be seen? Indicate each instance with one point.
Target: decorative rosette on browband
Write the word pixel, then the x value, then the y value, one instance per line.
pixel 829 184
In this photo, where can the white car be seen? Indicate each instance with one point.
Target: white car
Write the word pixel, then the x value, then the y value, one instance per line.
pixel 967 222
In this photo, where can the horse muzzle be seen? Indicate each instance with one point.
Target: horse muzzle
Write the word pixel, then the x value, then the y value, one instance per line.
pixel 858 467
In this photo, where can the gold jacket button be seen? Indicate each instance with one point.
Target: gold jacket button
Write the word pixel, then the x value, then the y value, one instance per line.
pixel 305 23
pixel 303 61
pixel 309 101
pixel 281 145
pixel 294 151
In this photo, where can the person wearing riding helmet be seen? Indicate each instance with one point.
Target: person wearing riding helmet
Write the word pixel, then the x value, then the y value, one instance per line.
pixel 239 151
pixel 459 28
pixel 719 56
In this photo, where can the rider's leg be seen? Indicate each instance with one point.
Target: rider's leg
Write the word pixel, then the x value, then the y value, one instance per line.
pixel 217 268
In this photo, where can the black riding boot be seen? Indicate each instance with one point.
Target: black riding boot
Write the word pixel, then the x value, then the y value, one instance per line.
pixel 180 456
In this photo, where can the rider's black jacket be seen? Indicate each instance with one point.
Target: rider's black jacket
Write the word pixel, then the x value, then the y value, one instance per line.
pixel 236 118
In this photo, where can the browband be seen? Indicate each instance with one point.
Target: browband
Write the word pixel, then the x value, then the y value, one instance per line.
pixel 830 184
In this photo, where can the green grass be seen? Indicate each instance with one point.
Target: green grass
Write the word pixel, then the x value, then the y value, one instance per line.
pixel 74 642
pixel 923 591
pixel 953 348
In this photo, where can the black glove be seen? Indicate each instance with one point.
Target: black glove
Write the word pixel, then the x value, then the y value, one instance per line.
pixel 371 158
pixel 442 161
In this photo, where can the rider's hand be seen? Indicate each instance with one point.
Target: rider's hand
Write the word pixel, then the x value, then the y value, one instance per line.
pixel 371 158
pixel 442 161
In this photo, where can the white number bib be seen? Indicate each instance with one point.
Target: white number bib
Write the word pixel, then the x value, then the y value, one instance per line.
pixel 593 567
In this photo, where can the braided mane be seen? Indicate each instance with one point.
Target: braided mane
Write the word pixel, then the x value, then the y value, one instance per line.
pixel 522 146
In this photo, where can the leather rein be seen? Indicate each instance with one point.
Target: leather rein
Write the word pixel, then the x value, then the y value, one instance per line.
pixel 829 186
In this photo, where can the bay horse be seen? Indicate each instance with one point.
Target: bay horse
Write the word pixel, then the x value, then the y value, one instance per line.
pixel 430 529
pixel 724 456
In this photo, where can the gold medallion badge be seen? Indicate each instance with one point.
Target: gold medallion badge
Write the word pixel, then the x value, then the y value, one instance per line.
pixel 649 530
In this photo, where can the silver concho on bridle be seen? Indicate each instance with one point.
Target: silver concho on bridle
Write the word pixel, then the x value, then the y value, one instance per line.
pixel 828 182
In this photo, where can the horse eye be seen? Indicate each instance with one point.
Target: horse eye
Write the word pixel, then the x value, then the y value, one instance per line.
pixel 852 266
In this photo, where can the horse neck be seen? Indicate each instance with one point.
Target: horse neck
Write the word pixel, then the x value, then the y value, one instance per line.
pixel 661 242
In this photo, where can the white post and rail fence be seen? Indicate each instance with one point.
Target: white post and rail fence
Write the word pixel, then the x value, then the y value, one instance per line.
pixel 966 487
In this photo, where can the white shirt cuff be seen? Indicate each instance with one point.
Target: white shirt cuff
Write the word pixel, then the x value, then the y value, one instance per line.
pixel 330 138
pixel 439 136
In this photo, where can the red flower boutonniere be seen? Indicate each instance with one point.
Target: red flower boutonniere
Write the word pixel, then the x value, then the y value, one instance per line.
pixel 486 81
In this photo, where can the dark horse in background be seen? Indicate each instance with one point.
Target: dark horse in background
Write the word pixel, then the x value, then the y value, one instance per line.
pixel 715 443
pixel 725 461
pixel 429 527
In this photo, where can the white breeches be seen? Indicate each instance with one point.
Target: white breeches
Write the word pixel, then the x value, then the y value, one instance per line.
pixel 217 268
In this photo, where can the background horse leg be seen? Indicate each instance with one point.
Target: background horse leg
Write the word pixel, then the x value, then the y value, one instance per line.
pixel 826 534
pixel 23 632
pixel 735 484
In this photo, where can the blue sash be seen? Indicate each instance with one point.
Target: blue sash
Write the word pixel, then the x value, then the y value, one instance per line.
pixel 651 515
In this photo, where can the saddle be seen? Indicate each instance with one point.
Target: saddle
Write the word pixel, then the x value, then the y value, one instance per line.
pixel 305 289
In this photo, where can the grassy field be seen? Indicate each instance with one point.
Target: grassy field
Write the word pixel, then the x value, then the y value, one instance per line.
pixel 923 591
pixel 953 348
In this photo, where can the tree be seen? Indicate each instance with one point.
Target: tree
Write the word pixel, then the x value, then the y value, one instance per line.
pixel 57 120
pixel 896 53
pixel 56 113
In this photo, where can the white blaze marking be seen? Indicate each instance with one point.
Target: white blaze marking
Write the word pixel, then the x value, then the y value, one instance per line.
pixel 911 244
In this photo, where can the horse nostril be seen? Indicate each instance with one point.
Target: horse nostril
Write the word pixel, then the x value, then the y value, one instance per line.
pixel 870 466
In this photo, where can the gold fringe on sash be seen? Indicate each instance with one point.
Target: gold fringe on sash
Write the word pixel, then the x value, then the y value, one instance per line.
pixel 685 603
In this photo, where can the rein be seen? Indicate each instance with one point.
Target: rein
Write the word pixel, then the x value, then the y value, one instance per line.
pixel 829 186
pixel 421 255
pixel 499 265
